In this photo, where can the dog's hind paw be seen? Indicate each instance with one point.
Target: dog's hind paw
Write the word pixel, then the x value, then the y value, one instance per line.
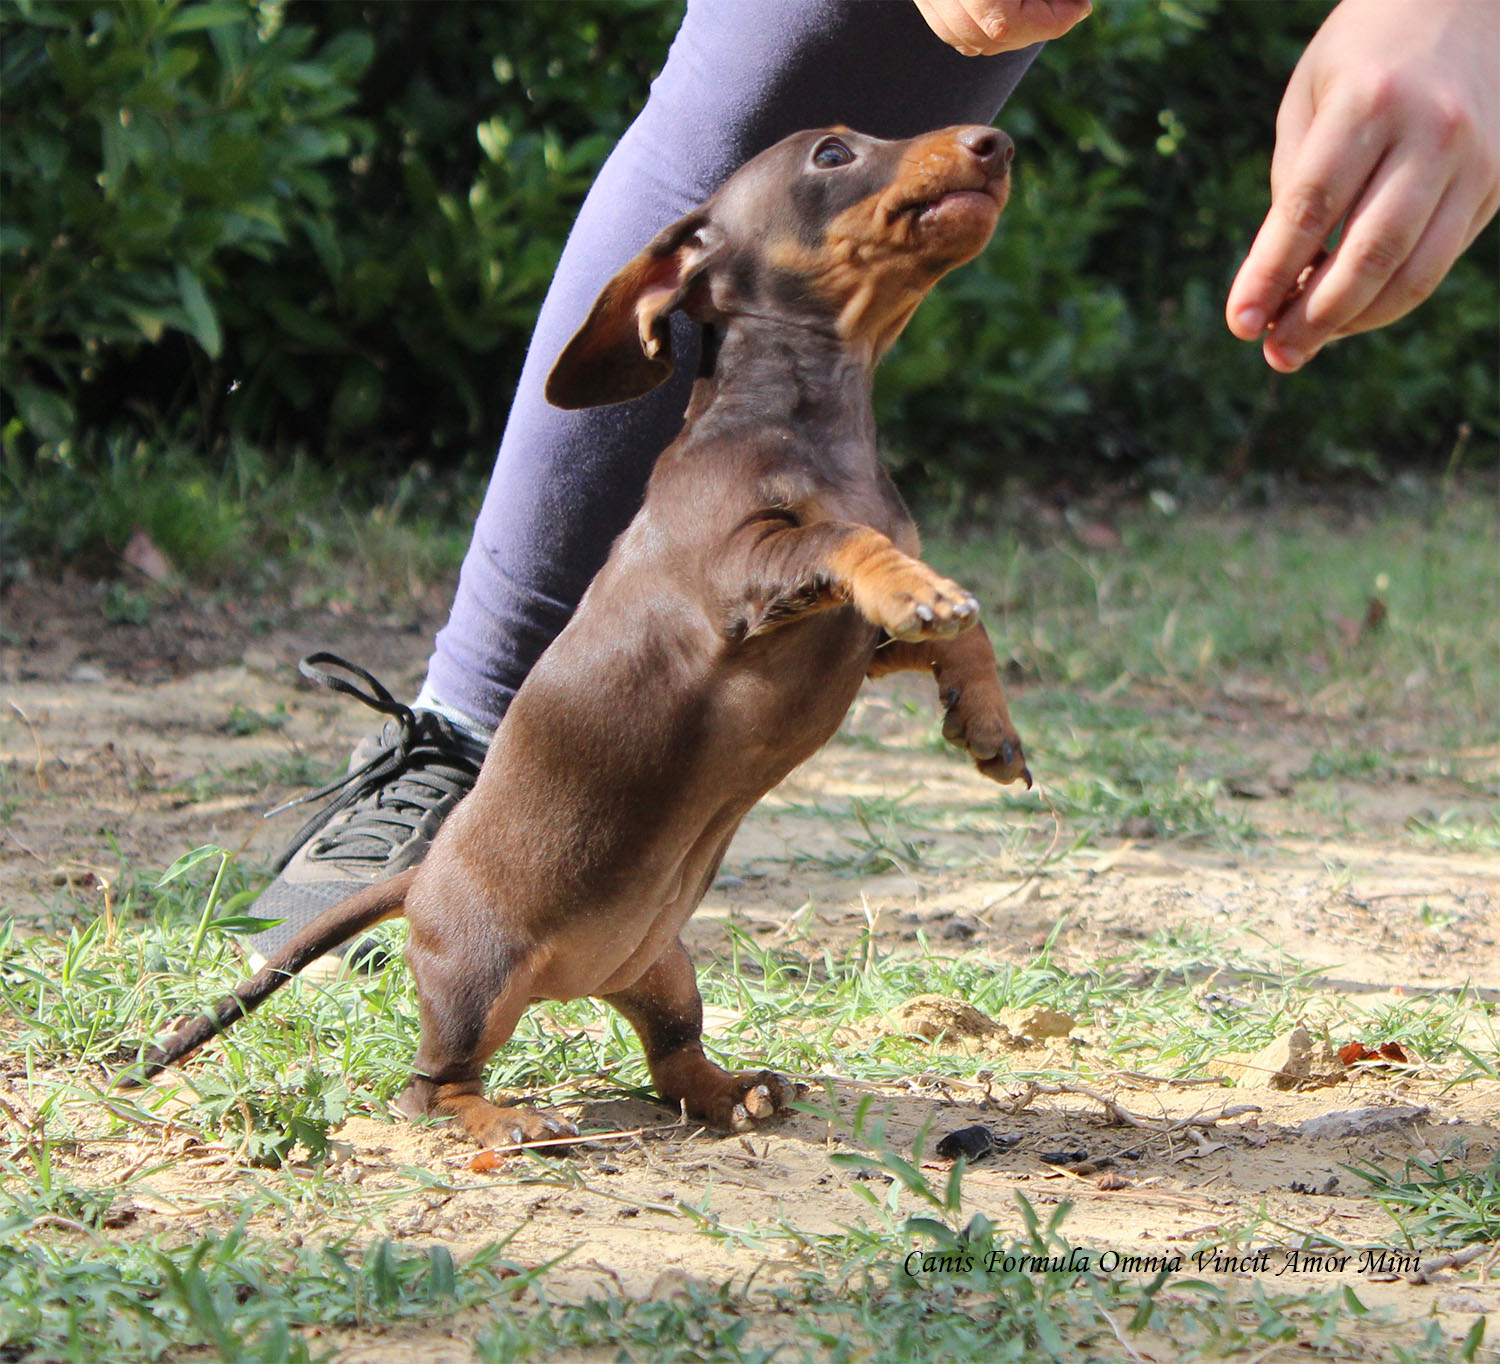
pixel 525 1127
pixel 487 1123
pixel 755 1106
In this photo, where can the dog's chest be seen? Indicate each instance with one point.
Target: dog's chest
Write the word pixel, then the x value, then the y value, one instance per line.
pixel 706 487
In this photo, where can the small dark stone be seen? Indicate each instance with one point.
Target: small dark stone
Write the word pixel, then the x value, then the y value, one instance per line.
pixel 973 1143
pixel 1064 1155
pixel 1305 1187
pixel 1093 1167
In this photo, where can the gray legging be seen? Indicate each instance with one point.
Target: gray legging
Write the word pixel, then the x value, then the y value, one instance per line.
pixel 741 74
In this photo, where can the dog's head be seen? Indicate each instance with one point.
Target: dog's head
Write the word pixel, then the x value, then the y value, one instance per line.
pixel 827 229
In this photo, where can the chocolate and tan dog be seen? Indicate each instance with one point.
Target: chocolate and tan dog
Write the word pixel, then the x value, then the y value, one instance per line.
pixel 770 570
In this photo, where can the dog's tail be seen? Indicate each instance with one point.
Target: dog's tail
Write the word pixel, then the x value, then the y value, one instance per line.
pixel 336 924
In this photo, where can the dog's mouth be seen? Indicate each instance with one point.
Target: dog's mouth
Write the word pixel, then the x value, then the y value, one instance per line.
pixel 988 197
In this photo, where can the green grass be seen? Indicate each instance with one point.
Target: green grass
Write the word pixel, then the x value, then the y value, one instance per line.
pixel 1457 831
pixel 235 1296
pixel 236 520
pixel 241 1297
pixel 1434 1203
pixel 1204 591
pixel 293 769
pixel 1208 593
pixel 74 1009
pixel 1104 766
pixel 291 1073
pixel 71 1291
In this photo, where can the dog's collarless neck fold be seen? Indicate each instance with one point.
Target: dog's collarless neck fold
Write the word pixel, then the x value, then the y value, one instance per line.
pixel 768 370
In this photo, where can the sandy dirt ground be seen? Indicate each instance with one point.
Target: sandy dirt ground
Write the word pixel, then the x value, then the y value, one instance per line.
pixel 124 743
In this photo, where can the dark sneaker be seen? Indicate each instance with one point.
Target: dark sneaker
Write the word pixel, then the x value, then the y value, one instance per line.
pixel 400 786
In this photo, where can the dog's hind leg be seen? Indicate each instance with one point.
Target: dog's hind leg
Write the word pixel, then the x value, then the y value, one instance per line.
pixel 471 996
pixel 666 1010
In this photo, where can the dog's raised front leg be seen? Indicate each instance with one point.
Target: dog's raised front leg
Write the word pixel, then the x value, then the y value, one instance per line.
pixel 666 1010
pixel 976 717
pixel 793 570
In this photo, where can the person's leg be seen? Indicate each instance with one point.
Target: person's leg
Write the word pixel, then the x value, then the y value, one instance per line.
pixel 741 74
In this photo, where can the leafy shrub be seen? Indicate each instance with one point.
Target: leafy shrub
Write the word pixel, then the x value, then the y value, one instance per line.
pixel 306 1107
pixel 327 228
pixel 147 148
pixel 305 224
pixel 402 316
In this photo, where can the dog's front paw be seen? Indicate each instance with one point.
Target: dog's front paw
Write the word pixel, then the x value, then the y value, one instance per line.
pixel 740 1102
pixel 917 604
pixel 986 733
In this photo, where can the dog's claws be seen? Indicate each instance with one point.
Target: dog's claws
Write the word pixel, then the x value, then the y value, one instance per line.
pixel 758 1102
pixel 934 610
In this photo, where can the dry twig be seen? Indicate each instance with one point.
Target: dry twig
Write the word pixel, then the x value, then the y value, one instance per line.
pixel 1457 1260
pixel 1121 1115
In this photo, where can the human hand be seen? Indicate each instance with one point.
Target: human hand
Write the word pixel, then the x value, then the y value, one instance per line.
pixel 1391 125
pixel 981 28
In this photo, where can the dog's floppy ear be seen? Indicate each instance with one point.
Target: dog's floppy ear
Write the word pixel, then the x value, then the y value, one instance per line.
pixel 624 349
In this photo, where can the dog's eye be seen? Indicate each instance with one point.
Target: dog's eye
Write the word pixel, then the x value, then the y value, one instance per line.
pixel 830 152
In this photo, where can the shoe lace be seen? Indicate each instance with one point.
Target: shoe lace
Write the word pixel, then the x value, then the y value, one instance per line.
pixel 421 763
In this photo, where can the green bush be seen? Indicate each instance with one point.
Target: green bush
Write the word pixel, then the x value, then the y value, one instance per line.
pixel 147 149
pixel 401 319
pixel 327 227
pixel 311 225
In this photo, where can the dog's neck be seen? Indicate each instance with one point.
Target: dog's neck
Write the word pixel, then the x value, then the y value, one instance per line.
pixel 758 371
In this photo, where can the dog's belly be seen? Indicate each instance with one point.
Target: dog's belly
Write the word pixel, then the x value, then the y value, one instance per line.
pixel 584 917
pixel 608 947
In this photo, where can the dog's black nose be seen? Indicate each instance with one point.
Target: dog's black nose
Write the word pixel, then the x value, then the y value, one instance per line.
pixel 989 146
